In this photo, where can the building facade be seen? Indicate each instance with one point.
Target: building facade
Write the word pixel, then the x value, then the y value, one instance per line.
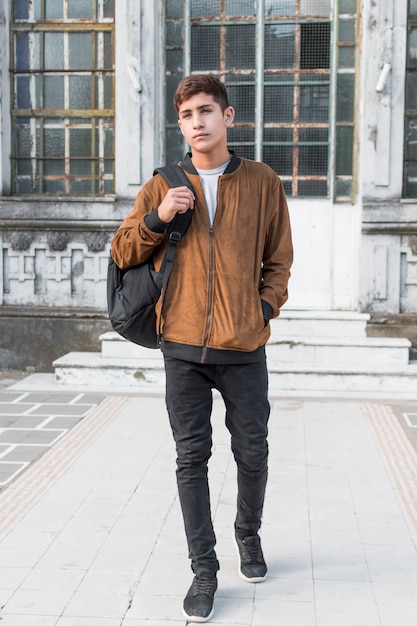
pixel 324 91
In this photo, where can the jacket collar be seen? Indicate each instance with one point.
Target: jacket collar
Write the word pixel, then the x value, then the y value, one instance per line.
pixel 188 166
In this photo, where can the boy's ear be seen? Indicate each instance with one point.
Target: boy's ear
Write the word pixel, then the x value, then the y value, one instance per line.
pixel 229 115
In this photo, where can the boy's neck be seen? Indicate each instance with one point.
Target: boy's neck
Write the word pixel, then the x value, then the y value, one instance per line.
pixel 203 161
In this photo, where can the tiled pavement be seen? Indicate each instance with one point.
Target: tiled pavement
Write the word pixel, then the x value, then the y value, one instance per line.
pixel 91 532
pixel 30 423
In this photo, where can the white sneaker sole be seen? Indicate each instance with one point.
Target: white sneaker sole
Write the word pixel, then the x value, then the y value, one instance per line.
pixel 254 579
pixel 196 618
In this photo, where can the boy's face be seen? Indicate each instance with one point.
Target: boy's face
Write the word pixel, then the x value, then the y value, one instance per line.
pixel 204 124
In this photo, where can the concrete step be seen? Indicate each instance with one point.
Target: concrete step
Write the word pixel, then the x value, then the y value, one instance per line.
pixel 290 349
pixel 338 351
pixel 308 352
pixel 96 371
pixel 346 324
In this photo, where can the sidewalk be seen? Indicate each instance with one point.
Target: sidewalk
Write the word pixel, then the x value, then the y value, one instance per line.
pixel 91 533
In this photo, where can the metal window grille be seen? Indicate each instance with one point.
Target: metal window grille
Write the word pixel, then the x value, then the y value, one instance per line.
pixel 410 144
pixel 62 64
pixel 276 58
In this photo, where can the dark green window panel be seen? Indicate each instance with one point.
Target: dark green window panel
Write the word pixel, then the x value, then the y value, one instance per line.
pixel 344 151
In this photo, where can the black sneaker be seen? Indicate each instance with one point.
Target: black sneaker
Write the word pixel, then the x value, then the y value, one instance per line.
pixel 252 566
pixel 198 603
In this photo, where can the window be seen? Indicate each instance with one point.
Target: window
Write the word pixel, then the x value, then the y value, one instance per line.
pixel 62 66
pixel 410 156
pixel 275 57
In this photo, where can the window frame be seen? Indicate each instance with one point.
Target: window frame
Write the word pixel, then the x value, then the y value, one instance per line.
pixel 96 174
pixel 341 186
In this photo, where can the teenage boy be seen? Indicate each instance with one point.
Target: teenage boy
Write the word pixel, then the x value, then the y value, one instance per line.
pixel 228 280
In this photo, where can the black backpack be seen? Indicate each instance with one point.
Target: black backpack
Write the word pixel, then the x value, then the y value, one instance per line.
pixel 133 293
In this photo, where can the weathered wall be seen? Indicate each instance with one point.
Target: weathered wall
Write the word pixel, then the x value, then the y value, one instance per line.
pixel 53 269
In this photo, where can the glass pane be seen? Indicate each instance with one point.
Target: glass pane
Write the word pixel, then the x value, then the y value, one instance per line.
pixel 22 95
pixel 280 7
pixel 21 59
pixel 240 7
pixel 315 46
pixel 54 142
pixel 80 92
pixel 171 86
pixel 81 187
pixel 82 9
pixel 108 9
pixel 80 51
pixel 174 33
pixel 23 186
pixel 174 60
pixel 24 167
pixel 278 135
pixel 107 93
pixel 205 48
pixel 174 8
pixel 54 167
pixel 411 139
pixel 280 158
pixel 412 48
pixel 54 51
pixel 410 189
pixel 240 135
pixel 312 160
pixel 347 6
pixel 80 168
pixel 21 10
pixel 279 46
pixel 314 103
pixel 202 8
pixel 246 152
pixel 54 92
pixel 413 8
pixel 23 141
pixel 175 145
pixel 278 103
pixel 344 150
pixel 108 142
pixel 287 184
pixel 108 186
pixel 345 97
pixel 108 166
pixel 240 47
pixel 107 62
pixel 343 188
pixel 312 188
pixel 80 142
pixel 242 97
pixel 54 186
pixel 347 30
pixel 315 7
pixel 54 9
pixel 313 135
pixel 346 57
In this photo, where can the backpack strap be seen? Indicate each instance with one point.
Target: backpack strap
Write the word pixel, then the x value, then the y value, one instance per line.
pixel 175 177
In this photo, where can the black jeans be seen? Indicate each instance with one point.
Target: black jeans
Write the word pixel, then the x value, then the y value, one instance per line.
pixel 244 389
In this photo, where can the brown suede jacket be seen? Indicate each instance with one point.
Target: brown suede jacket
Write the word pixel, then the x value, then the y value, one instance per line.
pixel 227 280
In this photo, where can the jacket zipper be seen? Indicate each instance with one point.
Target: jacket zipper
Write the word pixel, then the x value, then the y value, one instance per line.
pixel 210 301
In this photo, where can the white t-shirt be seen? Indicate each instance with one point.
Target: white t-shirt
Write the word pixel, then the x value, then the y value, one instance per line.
pixel 210 179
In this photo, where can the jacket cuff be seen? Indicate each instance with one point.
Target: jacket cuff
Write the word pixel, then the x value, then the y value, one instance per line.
pixel 267 311
pixel 153 222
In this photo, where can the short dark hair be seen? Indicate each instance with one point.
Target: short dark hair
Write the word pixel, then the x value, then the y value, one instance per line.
pixel 201 83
